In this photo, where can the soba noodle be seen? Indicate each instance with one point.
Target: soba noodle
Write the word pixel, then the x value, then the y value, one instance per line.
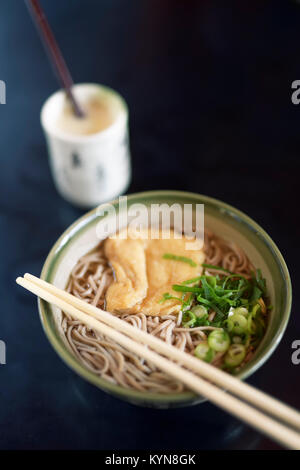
pixel 89 281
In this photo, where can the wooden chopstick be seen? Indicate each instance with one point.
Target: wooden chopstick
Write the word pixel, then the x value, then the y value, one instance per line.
pixel 233 405
pixel 54 53
pixel 243 390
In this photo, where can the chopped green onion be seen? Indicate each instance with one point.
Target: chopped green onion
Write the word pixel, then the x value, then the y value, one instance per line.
pixel 234 276
pixel 251 326
pixel 180 288
pixel 203 321
pixel 168 296
pixel 238 304
pixel 261 282
pixel 241 311
pixel 200 311
pixel 202 315
pixel 180 258
pixel 187 303
pixel 237 324
pixel 204 352
pixel 210 304
pixel 255 310
pixel 212 266
pixel 188 319
pixel 256 294
pixel 219 340
pixel 191 281
pixel 256 324
pixel 237 340
pixel 235 355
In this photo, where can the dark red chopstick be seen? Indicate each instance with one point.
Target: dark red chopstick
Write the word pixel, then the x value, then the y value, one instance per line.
pixel 54 52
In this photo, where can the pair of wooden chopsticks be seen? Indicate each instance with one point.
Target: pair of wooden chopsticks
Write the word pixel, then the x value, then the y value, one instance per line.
pixel 284 427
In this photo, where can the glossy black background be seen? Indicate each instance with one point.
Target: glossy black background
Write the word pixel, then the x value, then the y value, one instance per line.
pixel 208 87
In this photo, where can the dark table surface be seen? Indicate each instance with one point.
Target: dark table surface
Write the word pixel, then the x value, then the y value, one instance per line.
pixel 209 92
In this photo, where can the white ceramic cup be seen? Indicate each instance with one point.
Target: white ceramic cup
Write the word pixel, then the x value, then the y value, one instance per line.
pixel 88 169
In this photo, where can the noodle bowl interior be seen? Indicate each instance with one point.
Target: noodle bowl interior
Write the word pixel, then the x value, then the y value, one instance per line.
pixel 214 307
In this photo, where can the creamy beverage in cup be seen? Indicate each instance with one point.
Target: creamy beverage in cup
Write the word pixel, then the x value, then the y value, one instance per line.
pixel 89 156
pixel 98 116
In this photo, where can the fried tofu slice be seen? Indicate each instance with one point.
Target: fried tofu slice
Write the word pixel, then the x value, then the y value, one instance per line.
pixel 128 260
pixel 163 273
pixel 142 275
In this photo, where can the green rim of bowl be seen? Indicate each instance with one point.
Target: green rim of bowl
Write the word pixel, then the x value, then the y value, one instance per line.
pixel 81 224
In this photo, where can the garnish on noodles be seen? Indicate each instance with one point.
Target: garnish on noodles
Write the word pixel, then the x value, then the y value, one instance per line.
pixel 230 302
pixel 183 259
